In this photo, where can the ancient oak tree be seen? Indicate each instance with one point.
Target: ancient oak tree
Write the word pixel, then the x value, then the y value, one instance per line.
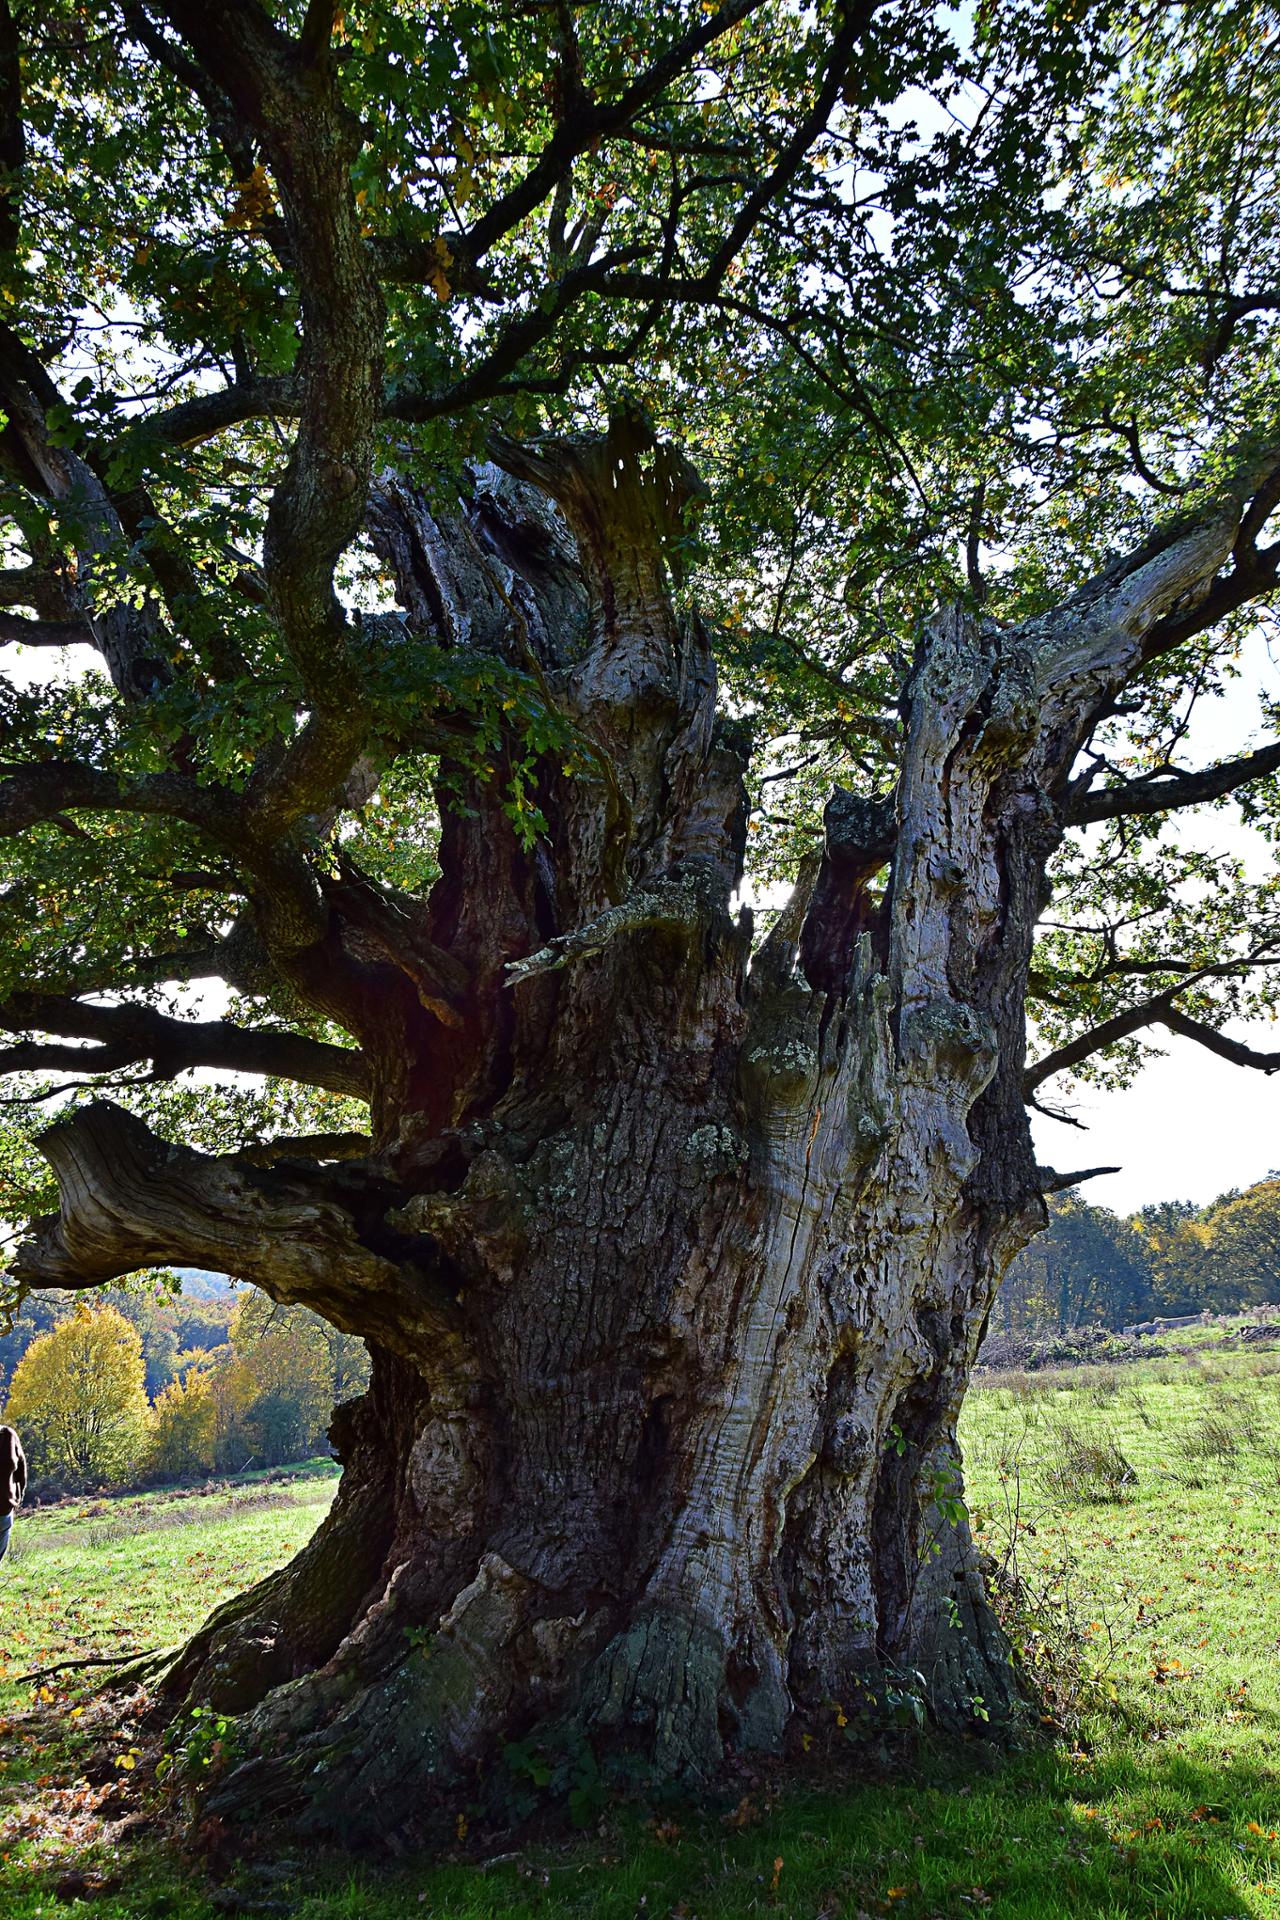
pixel 474 480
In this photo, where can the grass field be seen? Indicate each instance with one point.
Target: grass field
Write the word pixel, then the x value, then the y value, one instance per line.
pixel 1139 1507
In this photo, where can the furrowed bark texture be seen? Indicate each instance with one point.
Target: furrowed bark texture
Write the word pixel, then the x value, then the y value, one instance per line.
pixel 673 1262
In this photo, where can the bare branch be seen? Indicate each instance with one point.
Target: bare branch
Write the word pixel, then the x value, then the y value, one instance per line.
pixel 1219 1043
pixel 1160 793
pixel 129 1034
pixel 669 903
pixel 1160 1010
pixel 1053 1182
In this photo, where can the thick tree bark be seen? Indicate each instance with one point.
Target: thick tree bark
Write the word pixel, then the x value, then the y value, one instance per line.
pixel 674 1261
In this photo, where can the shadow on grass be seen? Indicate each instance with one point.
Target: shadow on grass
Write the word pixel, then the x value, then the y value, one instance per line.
pixel 1141 1834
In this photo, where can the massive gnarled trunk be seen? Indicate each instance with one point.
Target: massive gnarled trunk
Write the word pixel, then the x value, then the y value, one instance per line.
pixel 673 1260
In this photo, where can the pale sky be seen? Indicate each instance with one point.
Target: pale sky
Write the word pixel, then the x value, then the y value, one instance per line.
pixel 1191 1126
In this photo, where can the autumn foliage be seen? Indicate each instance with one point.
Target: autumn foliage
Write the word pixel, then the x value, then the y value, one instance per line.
pixel 79 1399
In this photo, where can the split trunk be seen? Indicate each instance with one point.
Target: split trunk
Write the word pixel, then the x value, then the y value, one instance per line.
pixel 673 1254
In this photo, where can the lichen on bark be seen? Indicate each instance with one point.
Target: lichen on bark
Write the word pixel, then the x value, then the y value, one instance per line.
pixel 673 1257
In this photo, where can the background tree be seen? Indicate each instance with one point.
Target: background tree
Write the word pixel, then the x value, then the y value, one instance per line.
pixel 1242 1231
pixel 172 1328
pixel 182 1444
pixel 233 1389
pixel 355 369
pixel 78 1399
pixel 1176 1250
pixel 300 1368
pixel 1087 1268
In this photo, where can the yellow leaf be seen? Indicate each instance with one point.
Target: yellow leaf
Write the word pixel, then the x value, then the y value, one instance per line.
pixel 437 273
pixel 253 202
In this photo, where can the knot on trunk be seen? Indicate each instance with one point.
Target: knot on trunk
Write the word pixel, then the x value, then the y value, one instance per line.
pixel 955 1042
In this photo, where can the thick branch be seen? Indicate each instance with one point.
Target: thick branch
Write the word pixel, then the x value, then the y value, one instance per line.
pixel 29 586
pixel 285 892
pixel 1226 1049
pixel 44 633
pixel 204 415
pixel 1160 793
pixel 311 140
pixel 128 1035
pixel 1160 594
pixel 31 794
pixel 130 1201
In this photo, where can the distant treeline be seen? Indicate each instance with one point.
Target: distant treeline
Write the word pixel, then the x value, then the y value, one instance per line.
pixel 144 1383
pixel 1093 1267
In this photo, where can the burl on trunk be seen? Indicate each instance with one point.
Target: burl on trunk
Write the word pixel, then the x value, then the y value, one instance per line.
pixel 673 1258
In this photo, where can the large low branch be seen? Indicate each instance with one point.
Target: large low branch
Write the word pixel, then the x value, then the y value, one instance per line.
pixel 128 1035
pixel 1160 793
pixel 131 1201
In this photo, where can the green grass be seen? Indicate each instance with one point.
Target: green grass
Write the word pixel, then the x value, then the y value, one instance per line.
pixel 1162 1799
pixel 139 1571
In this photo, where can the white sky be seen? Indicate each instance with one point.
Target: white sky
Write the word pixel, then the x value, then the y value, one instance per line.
pixel 1191 1126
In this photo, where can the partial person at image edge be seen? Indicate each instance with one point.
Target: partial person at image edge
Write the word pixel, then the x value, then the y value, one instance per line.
pixel 13 1482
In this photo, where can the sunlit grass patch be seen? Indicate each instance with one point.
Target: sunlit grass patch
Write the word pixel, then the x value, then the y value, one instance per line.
pixel 1158 1800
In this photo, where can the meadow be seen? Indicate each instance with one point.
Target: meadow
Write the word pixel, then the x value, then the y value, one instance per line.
pixel 1132 1515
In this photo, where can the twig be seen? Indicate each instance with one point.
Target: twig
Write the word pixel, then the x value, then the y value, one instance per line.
pixel 92 1660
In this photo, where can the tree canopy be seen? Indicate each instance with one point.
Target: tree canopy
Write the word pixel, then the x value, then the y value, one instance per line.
pixel 940 308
